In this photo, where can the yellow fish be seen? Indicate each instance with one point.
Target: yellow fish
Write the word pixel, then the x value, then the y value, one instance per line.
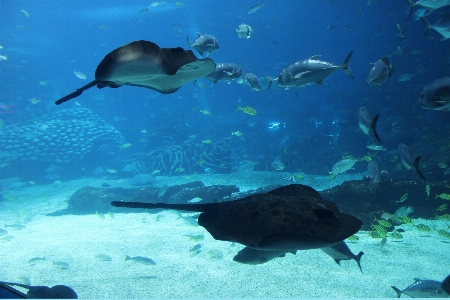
pixel 205 112
pixel 125 146
pixel 237 133
pixel 402 198
pixel 443 196
pixel 248 110
pixel 207 142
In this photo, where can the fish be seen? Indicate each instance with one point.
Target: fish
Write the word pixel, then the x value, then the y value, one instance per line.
pixel 255 8
pixel 3 57
pixel 405 77
pixel 277 165
pixel 436 95
pixel 442 26
pixel 443 196
pixel 35 260
pixel 141 259
pixel 248 110
pixel 24 12
pixel 61 264
pixel 432 4
pixel 79 74
pixel 237 133
pixel 103 257
pixel 367 124
pixel 422 12
pixel 376 147
pixel 15 226
pixel 407 159
pixel 340 251
pixel 423 289
pixel 225 72
pixel 289 218
pixel 205 43
pixel 343 165
pixel 250 256
pixel 195 200
pixel 3 232
pixel 403 211
pixel 253 81
pixel 309 71
pixel 145 64
pixel 244 31
pixel 374 172
pixel 379 72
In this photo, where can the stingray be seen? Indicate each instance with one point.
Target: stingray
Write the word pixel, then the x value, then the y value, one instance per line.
pixel 145 64
pixel 294 217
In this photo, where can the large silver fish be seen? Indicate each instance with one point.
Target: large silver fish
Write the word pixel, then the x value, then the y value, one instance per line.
pixel 205 43
pixel 408 160
pixel 442 26
pixel 423 289
pixel 380 72
pixel 373 171
pixel 253 81
pixel 431 4
pixel 367 124
pixel 309 71
pixel 225 72
pixel 436 95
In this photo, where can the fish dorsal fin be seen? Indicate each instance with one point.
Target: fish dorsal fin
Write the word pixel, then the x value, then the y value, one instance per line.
pixel 315 56
pixel 198 34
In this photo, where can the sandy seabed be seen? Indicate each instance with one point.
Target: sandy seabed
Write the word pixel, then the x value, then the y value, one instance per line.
pixel 179 273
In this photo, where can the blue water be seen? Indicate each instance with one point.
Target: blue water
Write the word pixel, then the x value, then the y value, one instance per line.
pixel 318 122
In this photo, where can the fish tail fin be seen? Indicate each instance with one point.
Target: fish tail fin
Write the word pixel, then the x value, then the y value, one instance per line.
pixel 358 259
pixel 189 43
pixel 373 127
pixel 127 257
pixel 416 166
pixel 411 7
pixel 77 93
pixel 269 81
pixel 399 293
pixel 237 108
pixel 346 66
pixel 427 26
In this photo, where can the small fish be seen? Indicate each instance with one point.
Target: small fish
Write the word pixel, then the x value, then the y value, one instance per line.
pixel 195 200
pixel 376 147
pixel 440 208
pixel 380 230
pixel 125 146
pixel 244 31
pixel 367 123
pixel 196 249
pixel 443 196
pixel 250 256
pixel 3 57
pixel 79 74
pixel 24 12
pixel 386 216
pixel 427 190
pixel 405 77
pixel 61 264
pixel 205 43
pixel 396 235
pixel 343 165
pixel 252 80
pixel 402 198
pixel 353 238
pixel 141 259
pixel 207 142
pixel 196 238
pixel 248 110
pixel 383 242
pixel 255 8
pixel 408 161
pixel 216 254
pixel 443 233
pixel 380 72
pixel 422 227
pixel 205 112
pixel 340 251
pixel 15 226
pixel 404 219
pixel 383 223
pixel 35 260
pixel 3 232
pixel 237 133
pixel 26 280
pixel 103 257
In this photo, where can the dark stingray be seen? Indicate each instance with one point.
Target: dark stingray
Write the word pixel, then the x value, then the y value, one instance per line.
pixel 294 217
pixel 145 64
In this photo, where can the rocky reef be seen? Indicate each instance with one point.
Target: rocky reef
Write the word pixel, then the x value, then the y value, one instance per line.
pixel 63 136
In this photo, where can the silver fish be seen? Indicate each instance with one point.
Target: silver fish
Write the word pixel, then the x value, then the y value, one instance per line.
pixel 367 124
pixel 309 71
pixel 436 95
pixel 256 7
pixel 432 4
pixel 340 251
pixel 244 31
pixel 141 259
pixel 380 72
pixel 442 26
pixel 253 81
pixel 407 159
pixel 205 43
pixel 374 172
pixel 423 289
pixel 225 72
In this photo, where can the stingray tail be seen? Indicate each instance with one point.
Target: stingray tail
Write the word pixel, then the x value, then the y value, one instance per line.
pixel 416 166
pixel 207 207
pixel 427 26
pixel 77 93
pixel 373 127
pixel 346 67
pixel 269 81
pixel 399 293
